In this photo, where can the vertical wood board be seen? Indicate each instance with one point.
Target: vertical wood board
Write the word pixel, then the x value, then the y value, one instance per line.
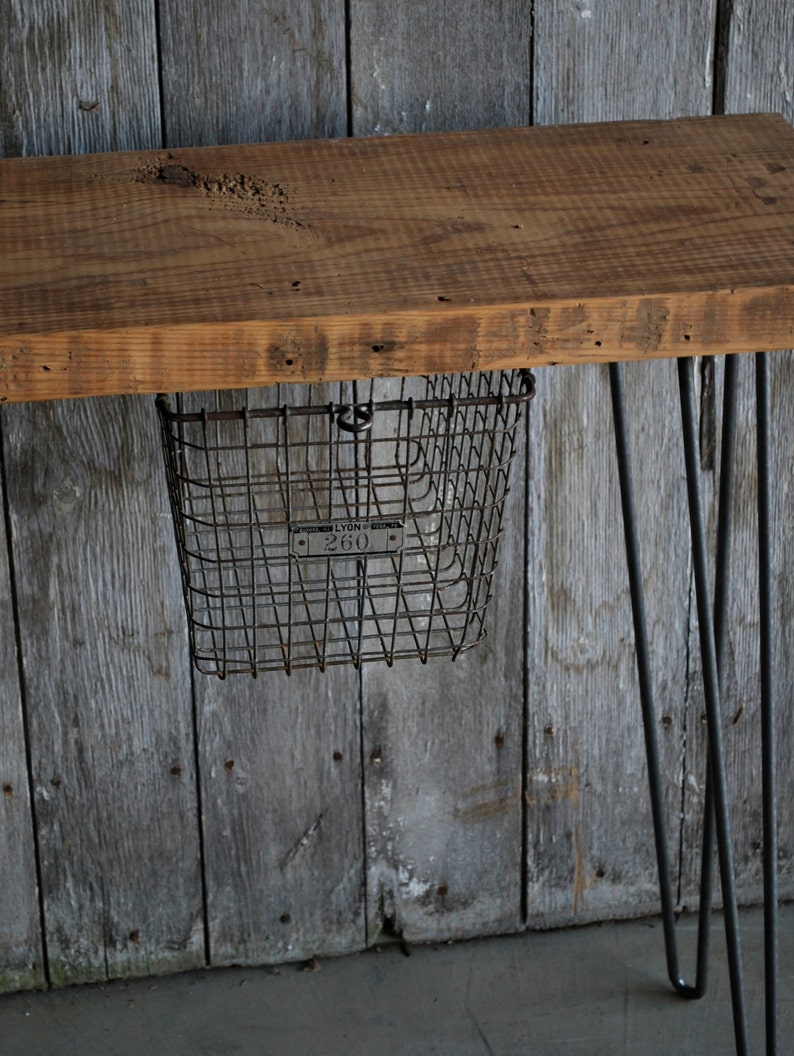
pixel 443 775
pixel 104 663
pixel 759 78
pixel 613 60
pixel 443 742
pixel 77 77
pixel 438 67
pixel 279 756
pixel 104 667
pixel 244 71
pixel 21 954
pixel 281 796
pixel 590 841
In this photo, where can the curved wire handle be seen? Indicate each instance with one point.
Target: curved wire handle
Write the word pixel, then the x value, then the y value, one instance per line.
pixel 353 417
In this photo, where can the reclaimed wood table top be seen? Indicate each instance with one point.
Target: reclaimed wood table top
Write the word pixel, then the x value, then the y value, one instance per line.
pixel 224 267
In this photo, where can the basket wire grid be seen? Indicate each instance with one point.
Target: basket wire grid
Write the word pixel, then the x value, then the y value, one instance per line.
pixel 312 534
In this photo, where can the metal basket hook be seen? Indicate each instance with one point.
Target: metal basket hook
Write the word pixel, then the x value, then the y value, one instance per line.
pixel 353 418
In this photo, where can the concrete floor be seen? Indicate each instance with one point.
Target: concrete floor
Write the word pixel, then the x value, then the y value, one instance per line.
pixel 596 991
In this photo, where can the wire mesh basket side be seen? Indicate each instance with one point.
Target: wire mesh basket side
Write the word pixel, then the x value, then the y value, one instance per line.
pixel 311 535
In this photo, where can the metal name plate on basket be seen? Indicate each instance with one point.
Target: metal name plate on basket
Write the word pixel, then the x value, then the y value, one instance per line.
pixel 346 539
pixel 361 529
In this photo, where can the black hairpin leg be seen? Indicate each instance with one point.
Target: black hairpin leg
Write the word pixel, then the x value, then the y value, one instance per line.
pixel 712 634
pixel 711 689
pixel 696 989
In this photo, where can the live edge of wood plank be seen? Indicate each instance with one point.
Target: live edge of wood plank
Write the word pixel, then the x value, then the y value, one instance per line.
pixel 227 267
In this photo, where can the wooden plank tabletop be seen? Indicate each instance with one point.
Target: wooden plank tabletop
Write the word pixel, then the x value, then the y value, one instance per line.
pixel 222 267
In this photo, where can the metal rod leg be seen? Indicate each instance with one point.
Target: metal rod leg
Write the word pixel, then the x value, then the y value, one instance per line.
pixel 721 593
pixel 712 699
pixel 644 672
pixel 712 634
pixel 725 509
pixel 649 718
pixel 768 760
pixel 727 475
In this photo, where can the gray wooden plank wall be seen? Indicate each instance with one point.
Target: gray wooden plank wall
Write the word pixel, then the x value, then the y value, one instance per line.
pixel 156 821
pixel 443 743
pixel 588 836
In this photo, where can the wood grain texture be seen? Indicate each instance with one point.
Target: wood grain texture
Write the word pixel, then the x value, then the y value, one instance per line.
pixel 590 841
pixel 443 742
pixel 87 69
pixel 435 67
pixel 21 954
pixel 341 258
pixel 611 60
pixel 443 775
pixel 245 71
pixel 105 669
pixel 103 652
pixel 760 75
pixel 279 757
pixel 282 817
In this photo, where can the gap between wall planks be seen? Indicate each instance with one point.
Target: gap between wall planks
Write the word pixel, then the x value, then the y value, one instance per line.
pixel 337 259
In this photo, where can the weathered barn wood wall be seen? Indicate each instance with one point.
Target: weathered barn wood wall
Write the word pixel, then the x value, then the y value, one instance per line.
pixel 588 844
pixel 279 759
pixel 443 743
pixel 759 75
pixel 154 820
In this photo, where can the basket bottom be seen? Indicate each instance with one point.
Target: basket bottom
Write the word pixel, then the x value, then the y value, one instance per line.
pixel 328 613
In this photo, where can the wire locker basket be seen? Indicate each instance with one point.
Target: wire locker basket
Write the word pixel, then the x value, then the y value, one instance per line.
pixel 362 529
